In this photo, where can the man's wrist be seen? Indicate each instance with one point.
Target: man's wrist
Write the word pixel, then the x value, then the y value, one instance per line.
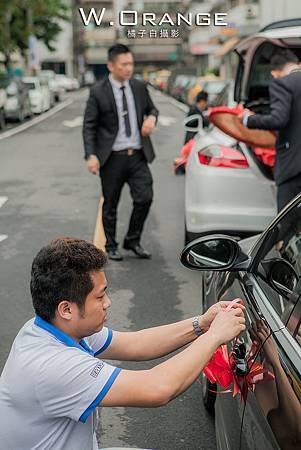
pixel 245 119
pixel 91 157
pixel 153 118
pixel 197 325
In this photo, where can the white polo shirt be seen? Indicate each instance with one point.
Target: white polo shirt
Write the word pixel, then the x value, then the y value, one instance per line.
pixel 50 387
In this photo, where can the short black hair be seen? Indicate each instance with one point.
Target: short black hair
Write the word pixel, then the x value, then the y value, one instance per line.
pixel 61 271
pixel 117 50
pixel 203 95
pixel 283 57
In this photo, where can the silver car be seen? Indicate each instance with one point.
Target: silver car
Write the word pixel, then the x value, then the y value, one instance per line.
pixel 229 188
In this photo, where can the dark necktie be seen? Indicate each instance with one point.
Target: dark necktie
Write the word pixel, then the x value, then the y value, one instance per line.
pixel 125 113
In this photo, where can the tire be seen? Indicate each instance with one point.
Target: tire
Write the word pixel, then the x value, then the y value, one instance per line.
pixel 21 116
pixel 208 396
pixel 2 120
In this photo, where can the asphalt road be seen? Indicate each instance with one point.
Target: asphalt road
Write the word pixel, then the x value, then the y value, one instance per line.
pixel 50 193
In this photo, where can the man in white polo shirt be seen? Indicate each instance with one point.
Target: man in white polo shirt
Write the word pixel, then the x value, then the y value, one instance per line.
pixel 54 378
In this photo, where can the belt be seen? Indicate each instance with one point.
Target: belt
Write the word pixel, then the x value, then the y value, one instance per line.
pixel 127 151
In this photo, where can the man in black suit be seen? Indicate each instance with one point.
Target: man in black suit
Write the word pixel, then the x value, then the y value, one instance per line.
pixel 119 118
pixel 285 102
pixel 201 104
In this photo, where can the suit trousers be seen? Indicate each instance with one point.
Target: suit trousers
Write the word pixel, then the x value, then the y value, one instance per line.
pixel 118 170
pixel 287 191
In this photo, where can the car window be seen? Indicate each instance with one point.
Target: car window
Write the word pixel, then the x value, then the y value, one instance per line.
pixel 278 269
pixel 30 85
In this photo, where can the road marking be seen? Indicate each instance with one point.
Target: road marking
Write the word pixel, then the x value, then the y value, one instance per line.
pixel 166 121
pixel 3 200
pixel 3 237
pixel 76 122
pixel 36 120
pixel 99 239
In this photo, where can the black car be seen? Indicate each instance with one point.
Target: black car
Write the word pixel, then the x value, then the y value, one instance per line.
pixel 265 272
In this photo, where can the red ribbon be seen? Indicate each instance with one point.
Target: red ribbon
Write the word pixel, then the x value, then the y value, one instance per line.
pixel 221 369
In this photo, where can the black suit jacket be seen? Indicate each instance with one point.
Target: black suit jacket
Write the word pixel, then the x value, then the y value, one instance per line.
pixel 100 126
pixel 192 111
pixel 285 117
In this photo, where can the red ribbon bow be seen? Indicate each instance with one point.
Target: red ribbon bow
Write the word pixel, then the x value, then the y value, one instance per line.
pixel 221 369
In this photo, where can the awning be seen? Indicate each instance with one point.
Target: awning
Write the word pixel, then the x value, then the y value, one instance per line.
pixel 227 46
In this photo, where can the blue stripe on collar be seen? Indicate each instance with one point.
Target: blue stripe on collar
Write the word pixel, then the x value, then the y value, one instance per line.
pixel 61 336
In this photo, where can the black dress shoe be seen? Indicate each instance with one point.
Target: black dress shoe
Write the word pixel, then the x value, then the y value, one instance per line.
pixel 138 250
pixel 114 255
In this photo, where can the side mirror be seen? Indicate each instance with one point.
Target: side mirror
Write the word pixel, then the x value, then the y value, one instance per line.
pixel 193 123
pixel 281 275
pixel 214 252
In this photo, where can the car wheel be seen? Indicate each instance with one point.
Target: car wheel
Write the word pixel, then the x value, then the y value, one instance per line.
pixel 208 394
pixel 21 115
pixel 2 120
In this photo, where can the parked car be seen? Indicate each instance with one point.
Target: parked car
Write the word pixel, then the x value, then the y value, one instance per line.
pixel 3 98
pixel 212 86
pixel 39 95
pixel 89 78
pixel 265 272
pixel 48 77
pixel 17 105
pixel 229 188
pixel 66 83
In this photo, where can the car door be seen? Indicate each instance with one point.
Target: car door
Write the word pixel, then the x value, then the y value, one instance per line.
pixel 272 413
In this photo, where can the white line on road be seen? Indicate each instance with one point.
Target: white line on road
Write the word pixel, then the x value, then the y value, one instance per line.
pixel 36 120
pixel 166 121
pixel 76 122
pixel 3 200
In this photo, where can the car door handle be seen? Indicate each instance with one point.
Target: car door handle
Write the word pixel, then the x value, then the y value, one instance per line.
pixel 241 365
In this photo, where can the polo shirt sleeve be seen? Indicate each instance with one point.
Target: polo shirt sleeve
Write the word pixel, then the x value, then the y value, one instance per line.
pixel 100 341
pixel 72 383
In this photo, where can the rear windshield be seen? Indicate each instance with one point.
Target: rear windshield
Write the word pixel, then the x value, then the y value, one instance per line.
pixel 257 89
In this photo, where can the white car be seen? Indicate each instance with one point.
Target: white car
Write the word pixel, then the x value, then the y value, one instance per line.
pixel 48 77
pixel 67 83
pixel 229 188
pixel 225 189
pixel 39 95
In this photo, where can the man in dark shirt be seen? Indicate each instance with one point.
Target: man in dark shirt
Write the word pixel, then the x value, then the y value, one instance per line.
pixel 200 106
pixel 284 117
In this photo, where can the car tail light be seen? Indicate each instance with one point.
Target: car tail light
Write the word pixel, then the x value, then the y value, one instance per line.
pixel 220 156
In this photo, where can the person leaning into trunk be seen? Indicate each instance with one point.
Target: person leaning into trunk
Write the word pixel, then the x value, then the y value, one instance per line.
pixel 285 102
pixel 119 118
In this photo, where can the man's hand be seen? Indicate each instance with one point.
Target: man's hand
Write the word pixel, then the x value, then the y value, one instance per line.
pixel 207 318
pixel 93 164
pixel 227 325
pixel 148 126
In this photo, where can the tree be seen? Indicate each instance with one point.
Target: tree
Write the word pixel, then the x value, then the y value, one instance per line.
pixel 20 18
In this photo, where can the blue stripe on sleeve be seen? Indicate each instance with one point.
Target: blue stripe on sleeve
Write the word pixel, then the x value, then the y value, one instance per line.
pixel 106 344
pixel 100 396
